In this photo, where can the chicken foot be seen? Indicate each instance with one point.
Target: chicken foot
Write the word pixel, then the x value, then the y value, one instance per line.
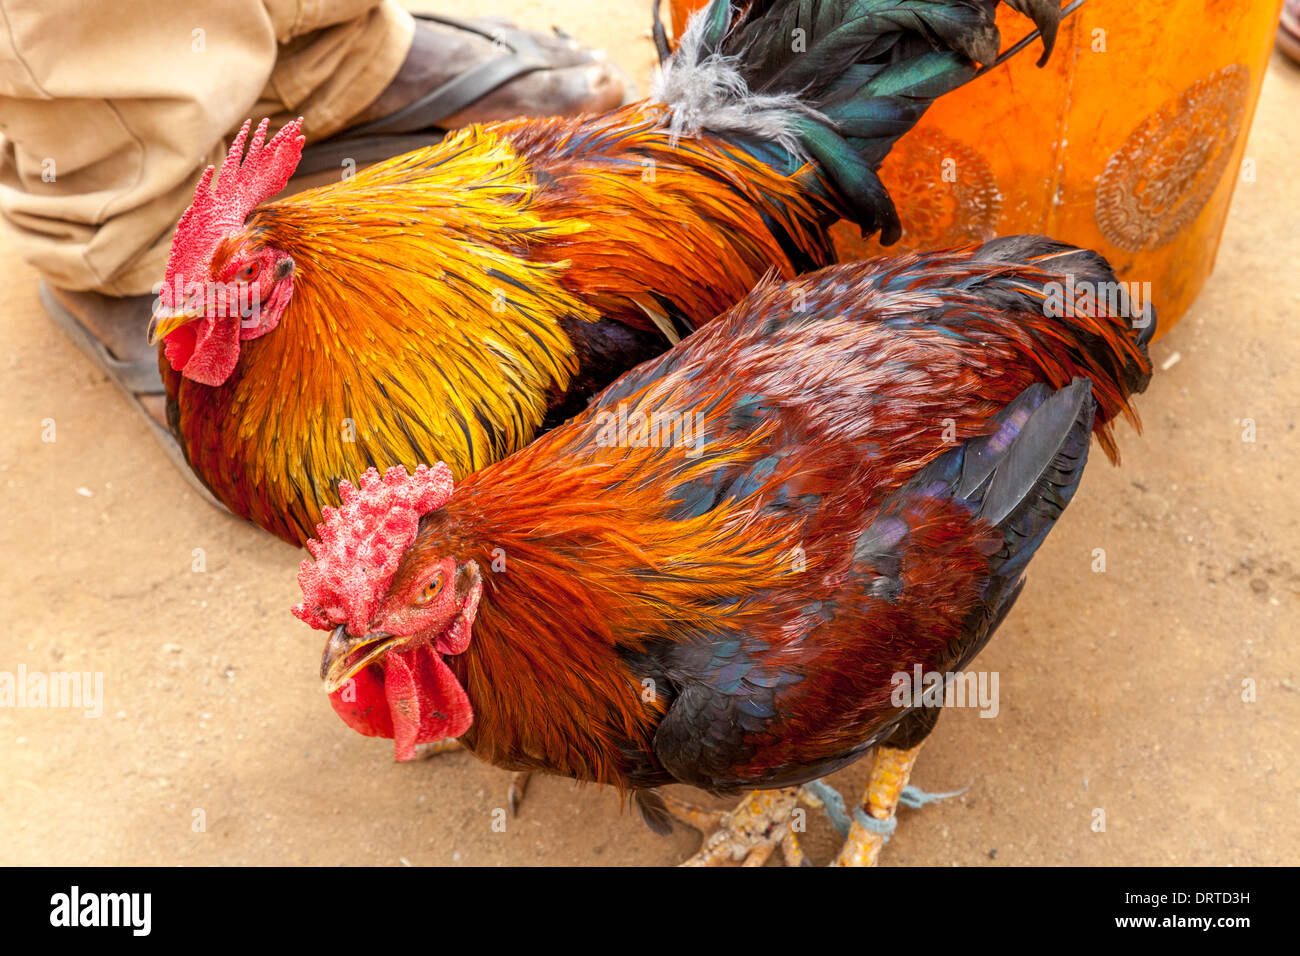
pixel 746 835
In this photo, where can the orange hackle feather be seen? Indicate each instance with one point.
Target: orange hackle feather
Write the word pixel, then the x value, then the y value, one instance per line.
pixel 684 221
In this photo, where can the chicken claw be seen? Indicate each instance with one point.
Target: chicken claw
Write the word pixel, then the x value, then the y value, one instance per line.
pixel 446 745
pixel 747 834
pixel 518 787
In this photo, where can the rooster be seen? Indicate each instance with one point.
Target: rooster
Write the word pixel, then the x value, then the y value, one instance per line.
pixel 452 303
pixel 712 579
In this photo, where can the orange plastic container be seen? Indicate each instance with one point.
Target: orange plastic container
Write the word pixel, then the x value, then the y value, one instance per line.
pixel 1130 141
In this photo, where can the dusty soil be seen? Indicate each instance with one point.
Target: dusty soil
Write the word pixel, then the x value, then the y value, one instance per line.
pixel 1120 691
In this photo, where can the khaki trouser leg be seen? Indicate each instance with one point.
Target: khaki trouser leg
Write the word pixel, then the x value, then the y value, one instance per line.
pixel 110 110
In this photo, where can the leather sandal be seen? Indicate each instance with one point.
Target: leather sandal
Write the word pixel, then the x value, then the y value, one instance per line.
pixel 134 378
pixel 417 124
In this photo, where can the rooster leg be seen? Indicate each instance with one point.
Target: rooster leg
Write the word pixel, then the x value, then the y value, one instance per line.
pixel 518 781
pixel 518 787
pixel 749 833
pixel 889 774
pixel 694 816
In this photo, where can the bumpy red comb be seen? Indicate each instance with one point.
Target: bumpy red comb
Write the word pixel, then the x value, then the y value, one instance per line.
pixel 241 187
pixel 361 543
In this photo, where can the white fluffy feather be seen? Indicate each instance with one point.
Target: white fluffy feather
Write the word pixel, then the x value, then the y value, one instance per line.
pixel 711 94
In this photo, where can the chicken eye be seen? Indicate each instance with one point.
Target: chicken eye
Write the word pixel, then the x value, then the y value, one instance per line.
pixel 430 590
pixel 249 272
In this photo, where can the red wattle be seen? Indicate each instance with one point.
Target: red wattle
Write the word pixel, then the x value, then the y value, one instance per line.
pixel 414 699
pixel 179 347
pixel 424 699
pixel 207 350
pixel 367 710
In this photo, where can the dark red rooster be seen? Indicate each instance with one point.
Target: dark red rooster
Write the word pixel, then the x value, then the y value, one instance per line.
pixel 711 578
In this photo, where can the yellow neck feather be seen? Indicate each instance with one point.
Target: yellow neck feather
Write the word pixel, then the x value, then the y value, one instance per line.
pixel 417 314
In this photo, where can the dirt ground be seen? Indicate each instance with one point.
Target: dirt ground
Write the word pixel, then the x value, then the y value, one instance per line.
pixel 1120 691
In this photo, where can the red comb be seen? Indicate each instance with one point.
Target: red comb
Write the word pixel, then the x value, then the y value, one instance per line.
pixel 362 542
pixel 241 187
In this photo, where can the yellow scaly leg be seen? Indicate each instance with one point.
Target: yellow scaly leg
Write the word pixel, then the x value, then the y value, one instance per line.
pixel 889 775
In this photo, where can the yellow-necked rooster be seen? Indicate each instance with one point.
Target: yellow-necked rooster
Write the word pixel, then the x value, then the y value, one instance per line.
pixel 451 303
pixel 713 579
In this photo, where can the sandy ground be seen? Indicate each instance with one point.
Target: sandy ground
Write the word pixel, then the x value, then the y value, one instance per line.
pixel 1120 691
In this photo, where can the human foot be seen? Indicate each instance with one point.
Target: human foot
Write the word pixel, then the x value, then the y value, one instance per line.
pixel 111 331
pixel 118 325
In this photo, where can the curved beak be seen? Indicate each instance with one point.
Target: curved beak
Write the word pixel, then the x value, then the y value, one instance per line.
pixel 346 654
pixel 166 321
